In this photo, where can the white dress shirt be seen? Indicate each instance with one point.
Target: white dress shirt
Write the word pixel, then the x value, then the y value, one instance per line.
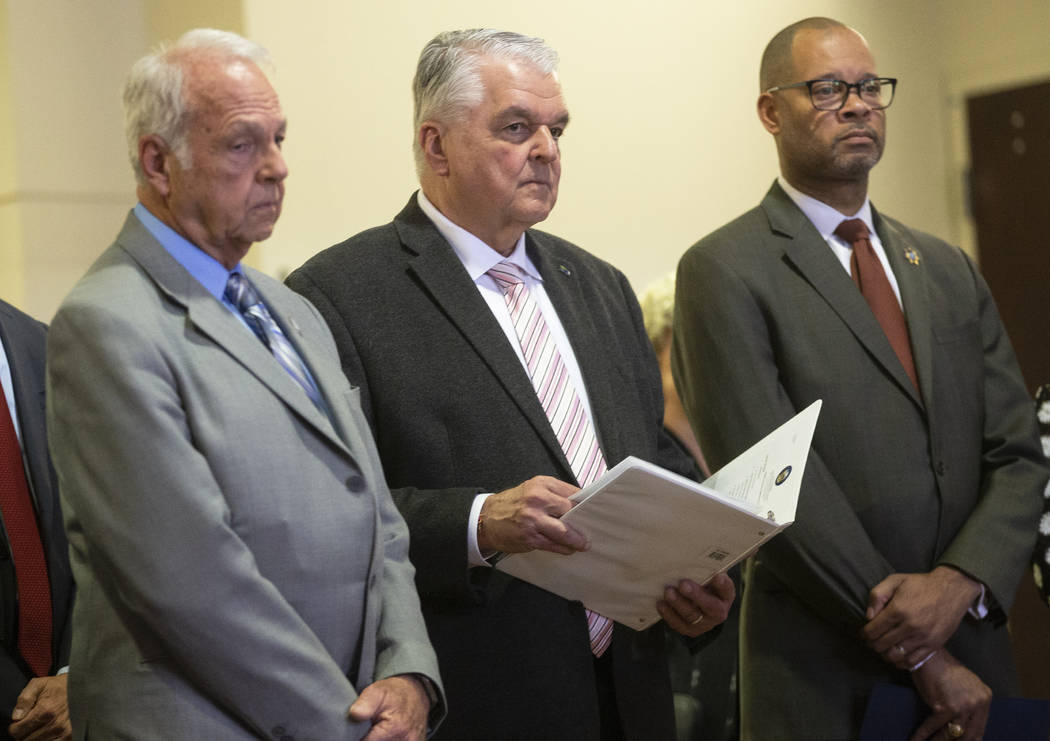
pixel 9 389
pixel 826 219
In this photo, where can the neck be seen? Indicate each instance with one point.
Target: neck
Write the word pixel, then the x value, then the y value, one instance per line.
pixel 845 196
pixel 156 205
pixel 502 239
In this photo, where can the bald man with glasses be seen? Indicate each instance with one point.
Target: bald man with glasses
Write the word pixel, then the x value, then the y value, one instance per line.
pixel 918 509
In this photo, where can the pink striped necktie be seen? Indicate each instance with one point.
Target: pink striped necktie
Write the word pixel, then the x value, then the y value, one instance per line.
pixel 559 399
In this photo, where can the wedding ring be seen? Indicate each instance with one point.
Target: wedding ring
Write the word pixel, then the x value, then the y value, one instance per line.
pixel 955 730
pixel 899 648
pixel 697 621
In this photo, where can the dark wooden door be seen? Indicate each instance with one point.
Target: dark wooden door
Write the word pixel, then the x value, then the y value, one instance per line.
pixel 1010 152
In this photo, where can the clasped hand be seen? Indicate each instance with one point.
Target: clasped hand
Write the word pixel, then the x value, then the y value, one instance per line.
pixel 396 706
pixel 912 615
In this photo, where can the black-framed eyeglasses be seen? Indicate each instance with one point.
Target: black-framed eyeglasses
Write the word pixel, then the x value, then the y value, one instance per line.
pixel 831 95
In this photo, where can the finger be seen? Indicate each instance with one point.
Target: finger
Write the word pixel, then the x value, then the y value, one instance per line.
pixel 691 626
pixel 931 728
pixel 27 698
pixel 706 600
pixel 364 707
pixel 560 537
pixel 890 636
pixel 900 657
pixel 722 586
pixel 50 733
pixel 562 489
pixel 691 612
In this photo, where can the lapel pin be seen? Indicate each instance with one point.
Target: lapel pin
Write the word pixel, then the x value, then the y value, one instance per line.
pixel 564 270
pixel 912 255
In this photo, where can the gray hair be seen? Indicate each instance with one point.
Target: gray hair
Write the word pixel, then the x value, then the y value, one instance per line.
pixel 154 99
pixel 447 80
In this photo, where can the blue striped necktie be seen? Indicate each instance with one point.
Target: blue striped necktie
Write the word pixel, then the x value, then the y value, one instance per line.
pixel 241 294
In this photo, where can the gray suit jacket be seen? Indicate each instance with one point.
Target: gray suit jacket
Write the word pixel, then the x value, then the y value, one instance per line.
pixel 242 570
pixel 768 321
pixel 455 414
pixel 24 339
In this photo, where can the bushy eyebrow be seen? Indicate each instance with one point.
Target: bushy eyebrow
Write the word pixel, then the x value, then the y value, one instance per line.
pixel 254 128
pixel 516 111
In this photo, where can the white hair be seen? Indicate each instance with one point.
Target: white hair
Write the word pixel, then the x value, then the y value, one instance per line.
pixel 447 81
pixel 154 99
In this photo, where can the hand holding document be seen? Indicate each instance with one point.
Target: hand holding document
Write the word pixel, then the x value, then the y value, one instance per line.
pixel 649 527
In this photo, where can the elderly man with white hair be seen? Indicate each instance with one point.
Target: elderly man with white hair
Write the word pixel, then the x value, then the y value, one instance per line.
pixel 242 571
pixel 501 368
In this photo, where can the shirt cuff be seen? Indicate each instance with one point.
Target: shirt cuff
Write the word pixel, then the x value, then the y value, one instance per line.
pixel 979 608
pixel 63 670
pixel 474 555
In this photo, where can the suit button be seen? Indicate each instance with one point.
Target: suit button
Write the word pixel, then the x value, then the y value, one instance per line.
pixel 355 482
pixel 940 468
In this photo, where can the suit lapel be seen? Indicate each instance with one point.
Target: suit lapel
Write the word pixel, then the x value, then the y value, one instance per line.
pixel 443 276
pixel 216 322
pixel 561 281
pixel 292 315
pixel 808 251
pixel 911 279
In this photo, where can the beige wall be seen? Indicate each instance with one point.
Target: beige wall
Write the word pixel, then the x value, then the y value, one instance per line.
pixel 664 144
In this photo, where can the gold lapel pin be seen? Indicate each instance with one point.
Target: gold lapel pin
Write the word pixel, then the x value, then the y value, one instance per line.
pixel 912 255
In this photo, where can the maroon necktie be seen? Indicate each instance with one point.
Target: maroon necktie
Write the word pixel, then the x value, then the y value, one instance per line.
pixel 869 276
pixel 27 551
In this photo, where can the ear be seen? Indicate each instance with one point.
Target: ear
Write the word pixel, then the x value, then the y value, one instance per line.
pixel 431 140
pixel 155 158
pixel 768 113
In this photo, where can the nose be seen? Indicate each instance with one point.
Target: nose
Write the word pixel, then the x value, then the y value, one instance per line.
pixel 854 105
pixel 273 166
pixel 545 146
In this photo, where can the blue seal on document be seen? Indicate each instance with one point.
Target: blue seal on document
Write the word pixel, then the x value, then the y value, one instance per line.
pixel 783 475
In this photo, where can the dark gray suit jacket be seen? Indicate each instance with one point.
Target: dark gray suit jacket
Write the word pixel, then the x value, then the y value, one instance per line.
pixel 455 414
pixel 24 339
pixel 766 322
pixel 242 571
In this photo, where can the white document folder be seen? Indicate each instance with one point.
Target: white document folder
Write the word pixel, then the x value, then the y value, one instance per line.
pixel 649 527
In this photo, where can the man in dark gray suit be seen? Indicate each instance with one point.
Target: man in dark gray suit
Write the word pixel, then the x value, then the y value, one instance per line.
pixel 916 516
pixel 242 571
pixel 36 626
pixel 477 462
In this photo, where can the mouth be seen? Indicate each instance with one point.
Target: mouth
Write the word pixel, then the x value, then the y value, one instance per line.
pixel 858 135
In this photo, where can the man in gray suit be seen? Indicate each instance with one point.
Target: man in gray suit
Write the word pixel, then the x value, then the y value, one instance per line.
pixel 476 459
pixel 917 512
pixel 242 571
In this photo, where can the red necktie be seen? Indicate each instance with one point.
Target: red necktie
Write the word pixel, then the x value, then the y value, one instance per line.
pixel 27 551
pixel 869 276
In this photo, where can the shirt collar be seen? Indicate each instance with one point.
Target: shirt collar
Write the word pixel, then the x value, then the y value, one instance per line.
pixel 825 218
pixel 477 257
pixel 208 271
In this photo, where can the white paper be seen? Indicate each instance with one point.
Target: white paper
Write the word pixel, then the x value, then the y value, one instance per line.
pixel 649 527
